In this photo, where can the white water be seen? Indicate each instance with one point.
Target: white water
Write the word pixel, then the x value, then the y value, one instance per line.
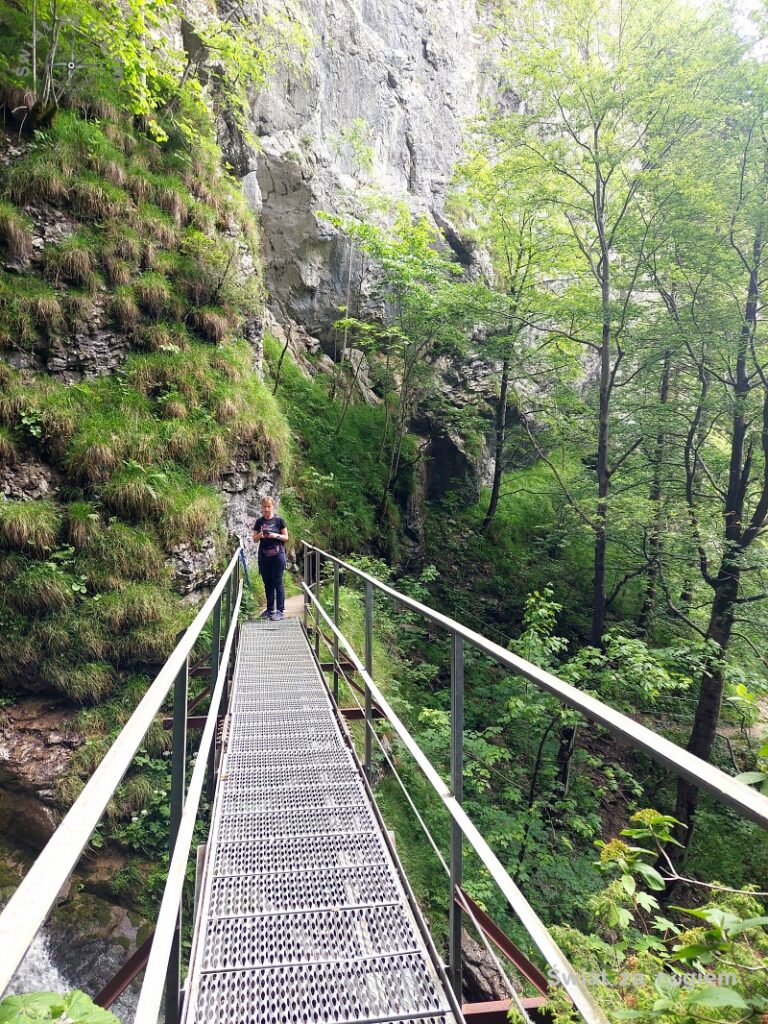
pixel 37 972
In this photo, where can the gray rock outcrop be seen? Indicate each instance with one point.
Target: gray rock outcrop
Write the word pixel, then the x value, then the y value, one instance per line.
pixel 387 88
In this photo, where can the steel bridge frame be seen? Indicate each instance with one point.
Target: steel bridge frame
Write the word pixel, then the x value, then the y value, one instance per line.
pixel 35 897
pixel 742 798
pixel 28 908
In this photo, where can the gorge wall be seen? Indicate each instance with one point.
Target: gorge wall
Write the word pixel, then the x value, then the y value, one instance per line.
pixel 380 107
pixel 393 77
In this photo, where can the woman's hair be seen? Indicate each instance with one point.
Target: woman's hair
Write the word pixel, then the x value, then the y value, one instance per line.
pixel 268 498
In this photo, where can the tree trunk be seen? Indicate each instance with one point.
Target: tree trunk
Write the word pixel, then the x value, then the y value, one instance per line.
pixel 501 439
pixel 599 597
pixel 654 544
pixel 736 539
pixel 707 715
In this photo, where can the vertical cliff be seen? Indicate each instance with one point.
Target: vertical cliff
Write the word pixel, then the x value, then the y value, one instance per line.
pixel 386 88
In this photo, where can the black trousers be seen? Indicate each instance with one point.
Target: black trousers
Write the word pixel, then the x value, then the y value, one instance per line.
pixel 271 571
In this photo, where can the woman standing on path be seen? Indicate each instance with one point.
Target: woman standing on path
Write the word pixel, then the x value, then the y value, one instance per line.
pixel 271 533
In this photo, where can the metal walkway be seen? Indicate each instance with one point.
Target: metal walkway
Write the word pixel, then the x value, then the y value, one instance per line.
pixel 303 916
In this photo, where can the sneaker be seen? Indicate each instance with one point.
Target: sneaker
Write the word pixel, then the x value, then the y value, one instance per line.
pixel 267 614
pixel 278 615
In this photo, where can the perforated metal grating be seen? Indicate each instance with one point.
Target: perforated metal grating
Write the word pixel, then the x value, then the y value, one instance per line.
pixel 318 936
pixel 374 989
pixel 303 918
pixel 282 856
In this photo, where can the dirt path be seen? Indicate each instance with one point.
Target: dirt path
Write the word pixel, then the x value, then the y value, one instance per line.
pixel 294 606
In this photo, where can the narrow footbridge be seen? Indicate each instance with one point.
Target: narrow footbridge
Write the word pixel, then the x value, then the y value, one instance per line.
pixel 304 914
pixel 301 912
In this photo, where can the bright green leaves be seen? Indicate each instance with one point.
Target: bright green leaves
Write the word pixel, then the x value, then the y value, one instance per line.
pixel 74 1008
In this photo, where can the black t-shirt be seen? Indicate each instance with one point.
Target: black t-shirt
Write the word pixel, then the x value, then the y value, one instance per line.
pixel 273 525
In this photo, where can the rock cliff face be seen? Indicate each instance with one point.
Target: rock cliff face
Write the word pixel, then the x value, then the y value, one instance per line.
pixel 388 85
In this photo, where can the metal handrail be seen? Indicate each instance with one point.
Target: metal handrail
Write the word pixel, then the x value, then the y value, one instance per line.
pixel 33 900
pixel 522 908
pixel 747 801
pixel 750 804
pixel 151 995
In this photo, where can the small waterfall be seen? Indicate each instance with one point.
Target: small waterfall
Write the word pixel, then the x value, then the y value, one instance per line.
pixel 37 972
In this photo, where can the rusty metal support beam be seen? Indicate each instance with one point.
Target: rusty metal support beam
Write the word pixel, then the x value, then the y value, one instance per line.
pixel 496 1012
pixel 194 722
pixel 492 931
pixel 132 967
pixel 358 714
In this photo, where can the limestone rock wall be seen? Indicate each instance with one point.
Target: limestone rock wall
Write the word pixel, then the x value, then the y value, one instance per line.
pixel 394 78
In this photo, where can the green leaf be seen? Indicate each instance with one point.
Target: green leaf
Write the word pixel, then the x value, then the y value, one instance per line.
pixel 716 996
pixel 31 1006
pixel 651 876
pixel 82 1009
pixel 693 951
pixel 751 778
pixel 629 884
pixel 647 902
pixel 750 922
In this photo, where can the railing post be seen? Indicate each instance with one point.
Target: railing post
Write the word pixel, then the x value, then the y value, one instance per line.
pixel 335 637
pixel 215 656
pixel 228 593
pixel 306 584
pixel 178 766
pixel 457 786
pixel 369 670
pixel 318 569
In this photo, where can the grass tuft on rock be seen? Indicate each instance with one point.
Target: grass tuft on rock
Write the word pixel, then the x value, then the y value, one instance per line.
pixel 82 523
pixel 72 262
pixel 42 588
pixel 213 324
pixel 8 447
pixel 138 604
pixel 29 526
pixel 154 295
pixel 82 683
pixel 36 180
pixel 15 232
